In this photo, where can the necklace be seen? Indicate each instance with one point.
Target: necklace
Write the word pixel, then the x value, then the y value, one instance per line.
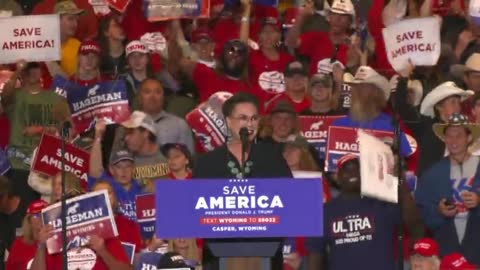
pixel 237 172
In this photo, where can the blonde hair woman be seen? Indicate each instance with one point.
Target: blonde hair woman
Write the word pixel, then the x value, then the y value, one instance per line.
pixel 187 248
pixel 24 247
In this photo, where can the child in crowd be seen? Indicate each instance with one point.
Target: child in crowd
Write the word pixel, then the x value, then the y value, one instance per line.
pixel 179 160
pixel 124 186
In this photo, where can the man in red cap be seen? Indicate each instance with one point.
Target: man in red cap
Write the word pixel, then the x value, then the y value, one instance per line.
pixel 203 45
pixel 425 255
pixel 88 68
pixel 456 261
pixel 359 229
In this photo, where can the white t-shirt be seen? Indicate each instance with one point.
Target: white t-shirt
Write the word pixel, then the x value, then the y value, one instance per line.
pixel 462 177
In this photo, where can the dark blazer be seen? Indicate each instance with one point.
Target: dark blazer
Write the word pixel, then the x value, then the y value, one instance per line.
pixel 435 185
pixel 268 162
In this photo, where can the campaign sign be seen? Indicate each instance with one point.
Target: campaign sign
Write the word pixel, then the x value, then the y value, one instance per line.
pixel 235 208
pixel 147 261
pixel 162 10
pixel 86 215
pixel 207 122
pixel 343 140
pixel 129 250
pixel 417 40
pixel 119 5
pixel 146 214
pixel 377 169
pixel 315 128
pixel 33 38
pixel 48 158
pixel 103 100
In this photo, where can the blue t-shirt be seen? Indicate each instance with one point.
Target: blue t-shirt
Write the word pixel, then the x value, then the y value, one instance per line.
pixel 357 231
pixel 126 205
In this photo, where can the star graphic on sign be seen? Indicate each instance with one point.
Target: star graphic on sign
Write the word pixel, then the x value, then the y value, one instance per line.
pixel 101 225
pixel 119 108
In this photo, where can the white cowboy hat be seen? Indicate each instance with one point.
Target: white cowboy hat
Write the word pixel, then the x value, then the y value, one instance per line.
pixel 440 93
pixel 458 120
pixel 472 64
pixel 415 85
pixel 367 75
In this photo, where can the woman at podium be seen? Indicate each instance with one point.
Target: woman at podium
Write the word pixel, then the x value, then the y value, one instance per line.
pixel 241 157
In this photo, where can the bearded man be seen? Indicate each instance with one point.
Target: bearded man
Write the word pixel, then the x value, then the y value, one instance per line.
pixel 369 95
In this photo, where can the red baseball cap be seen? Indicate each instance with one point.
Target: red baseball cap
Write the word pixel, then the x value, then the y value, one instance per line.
pixel 270 17
pixel 344 159
pixel 455 261
pixel 214 3
pixel 426 247
pixel 289 17
pixel 89 46
pixel 36 207
pixel 202 33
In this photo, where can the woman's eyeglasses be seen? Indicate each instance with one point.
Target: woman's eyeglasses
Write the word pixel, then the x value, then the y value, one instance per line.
pixel 246 119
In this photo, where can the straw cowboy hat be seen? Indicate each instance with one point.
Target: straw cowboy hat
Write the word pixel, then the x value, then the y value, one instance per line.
pixel 367 75
pixel 439 93
pixel 415 85
pixel 472 65
pixel 457 120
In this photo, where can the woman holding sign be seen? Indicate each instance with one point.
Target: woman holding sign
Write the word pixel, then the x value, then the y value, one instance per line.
pixel 258 160
pixel 24 247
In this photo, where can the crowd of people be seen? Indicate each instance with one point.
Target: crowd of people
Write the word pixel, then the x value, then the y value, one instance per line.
pixel 277 64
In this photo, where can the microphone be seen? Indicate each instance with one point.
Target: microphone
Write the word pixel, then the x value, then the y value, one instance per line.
pixel 243 132
pixel 244 135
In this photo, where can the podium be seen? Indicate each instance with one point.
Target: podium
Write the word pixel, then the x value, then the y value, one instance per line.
pixel 239 217
pixel 264 248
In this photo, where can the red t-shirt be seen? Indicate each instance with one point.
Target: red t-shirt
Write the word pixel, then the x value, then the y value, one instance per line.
pixel 375 25
pixel 5 134
pixel 136 24
pixel 170 175
pixel 267 75
pixel 209 82
pixel 93 81
pixel 297 106
pixel 86 257
pixel 129 232
pixel 226 29
pixel 318 46
pixel 21 255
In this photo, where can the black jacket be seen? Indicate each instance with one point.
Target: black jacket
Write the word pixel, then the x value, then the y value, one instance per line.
pixel 268 162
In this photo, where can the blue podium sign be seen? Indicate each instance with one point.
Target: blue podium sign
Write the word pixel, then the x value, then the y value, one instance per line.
pixel 236 208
